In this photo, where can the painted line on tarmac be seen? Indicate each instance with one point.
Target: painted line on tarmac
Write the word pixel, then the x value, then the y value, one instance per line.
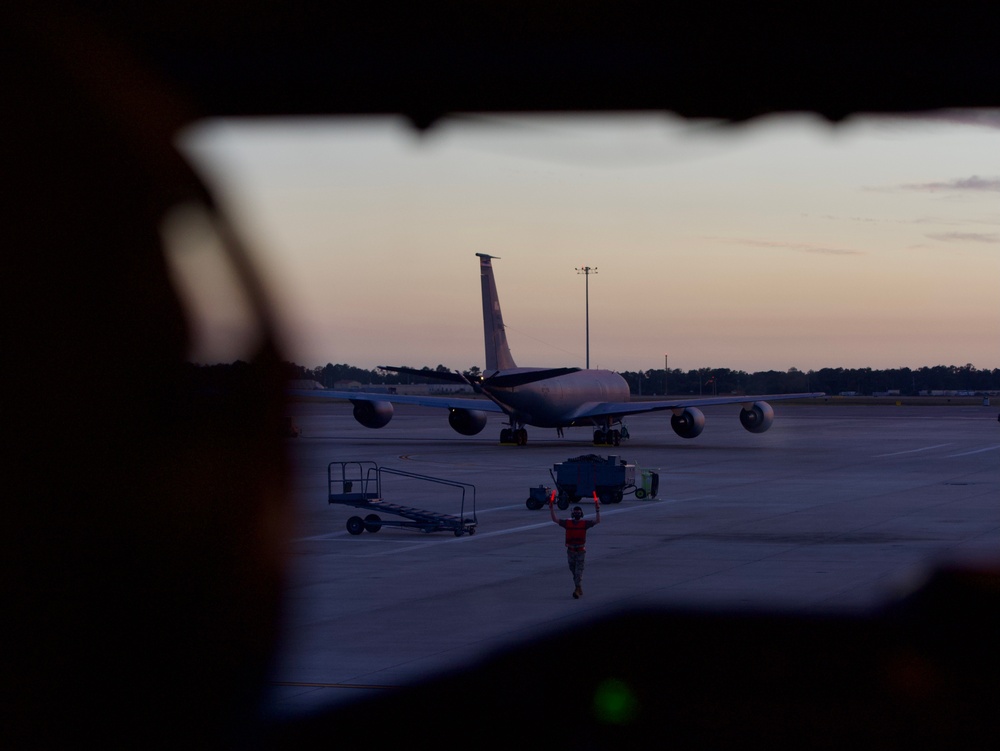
pixel 914 451
pixel 345 535
pixel 528 527
pixel 975 451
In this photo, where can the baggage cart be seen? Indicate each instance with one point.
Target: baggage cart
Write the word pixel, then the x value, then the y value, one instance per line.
pixel 610 478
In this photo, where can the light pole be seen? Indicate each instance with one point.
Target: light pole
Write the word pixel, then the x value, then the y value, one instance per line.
pixel 587 271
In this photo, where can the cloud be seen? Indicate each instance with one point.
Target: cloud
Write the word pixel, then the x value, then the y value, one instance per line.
pixel 976 237
pixel 974 183
pixel 798 247
pixel 861 219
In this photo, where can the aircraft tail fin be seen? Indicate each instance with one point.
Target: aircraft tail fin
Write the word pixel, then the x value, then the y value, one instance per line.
pixel 498 355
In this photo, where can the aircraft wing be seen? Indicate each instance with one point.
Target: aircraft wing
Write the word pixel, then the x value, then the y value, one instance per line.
pixel 604 409
pixel 502 380
pixel 440 402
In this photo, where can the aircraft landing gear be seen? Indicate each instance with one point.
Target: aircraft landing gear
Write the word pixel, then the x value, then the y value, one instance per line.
pixel 514 436
pixel 607 437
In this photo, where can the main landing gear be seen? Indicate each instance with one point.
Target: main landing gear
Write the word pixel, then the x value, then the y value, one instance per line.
pixel 607 437
pixel 513 436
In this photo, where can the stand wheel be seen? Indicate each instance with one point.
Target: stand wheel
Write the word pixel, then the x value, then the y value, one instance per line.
pixel 355 525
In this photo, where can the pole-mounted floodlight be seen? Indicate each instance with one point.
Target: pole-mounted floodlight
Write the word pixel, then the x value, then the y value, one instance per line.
pixel 587 271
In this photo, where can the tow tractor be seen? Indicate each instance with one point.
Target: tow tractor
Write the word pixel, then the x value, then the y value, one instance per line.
pixel 359 484
pixel 609 478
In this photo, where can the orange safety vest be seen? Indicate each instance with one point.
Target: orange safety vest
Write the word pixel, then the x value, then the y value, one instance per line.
pixel 576 533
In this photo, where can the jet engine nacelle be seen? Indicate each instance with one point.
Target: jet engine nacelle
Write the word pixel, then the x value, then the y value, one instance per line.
pixel 372 414
pixel 689 423
pixel 758 418
pixel 467 421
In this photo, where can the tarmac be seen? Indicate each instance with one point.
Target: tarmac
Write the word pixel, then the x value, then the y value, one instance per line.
pixel 835 509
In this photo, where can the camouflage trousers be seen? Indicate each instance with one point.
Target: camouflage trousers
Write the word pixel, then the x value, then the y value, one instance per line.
pixel 576 558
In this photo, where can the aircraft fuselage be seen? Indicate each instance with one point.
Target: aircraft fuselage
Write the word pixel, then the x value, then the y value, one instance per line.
pixel 558 401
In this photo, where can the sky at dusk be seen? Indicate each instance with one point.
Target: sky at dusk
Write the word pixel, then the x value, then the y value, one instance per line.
pixel 786 242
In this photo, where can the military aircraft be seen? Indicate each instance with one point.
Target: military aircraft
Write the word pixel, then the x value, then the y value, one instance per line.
pixel 543 397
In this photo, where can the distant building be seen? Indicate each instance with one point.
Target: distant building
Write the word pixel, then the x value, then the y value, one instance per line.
pixel 347 385
pixel 451 388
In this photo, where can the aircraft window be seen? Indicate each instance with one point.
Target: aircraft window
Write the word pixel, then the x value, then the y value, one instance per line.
pixel 786 244
pixel 768 226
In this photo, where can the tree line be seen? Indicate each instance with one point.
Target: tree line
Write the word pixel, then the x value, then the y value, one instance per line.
pixel 861 381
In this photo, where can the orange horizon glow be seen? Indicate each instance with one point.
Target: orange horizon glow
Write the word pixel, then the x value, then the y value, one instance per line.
pixel 785 243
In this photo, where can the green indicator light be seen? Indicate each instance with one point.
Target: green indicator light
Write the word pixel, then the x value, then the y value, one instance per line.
pixel 615 702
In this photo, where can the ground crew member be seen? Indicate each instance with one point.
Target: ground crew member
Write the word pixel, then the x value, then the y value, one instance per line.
pixel 576 538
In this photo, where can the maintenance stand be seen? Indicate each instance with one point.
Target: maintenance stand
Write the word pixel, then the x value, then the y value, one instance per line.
pixel 359 484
